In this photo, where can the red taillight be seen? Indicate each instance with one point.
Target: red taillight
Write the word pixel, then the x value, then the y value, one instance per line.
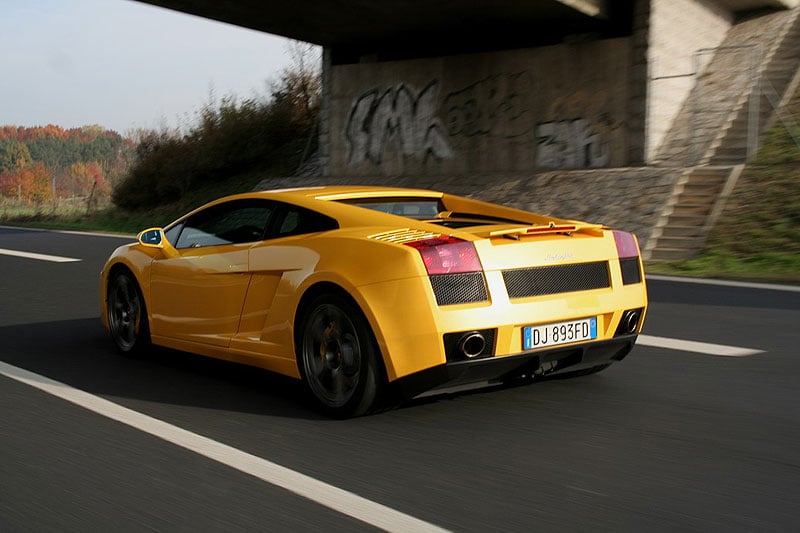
pixel 447 255
pixel 626 244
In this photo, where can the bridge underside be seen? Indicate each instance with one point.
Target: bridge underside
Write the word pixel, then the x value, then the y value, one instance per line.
pixel 397 29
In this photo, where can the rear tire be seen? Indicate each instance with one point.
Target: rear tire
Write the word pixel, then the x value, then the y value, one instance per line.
pixel 127 314
pixel 338 357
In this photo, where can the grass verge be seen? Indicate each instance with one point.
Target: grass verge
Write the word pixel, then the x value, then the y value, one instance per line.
pixel 774 267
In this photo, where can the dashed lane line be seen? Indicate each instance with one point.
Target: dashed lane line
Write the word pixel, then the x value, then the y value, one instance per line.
pixel 727 283
pixel 697 347
pixel 38 257
pixel 72 232
pixel 342 501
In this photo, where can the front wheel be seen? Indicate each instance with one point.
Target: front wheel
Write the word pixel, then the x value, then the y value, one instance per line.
pixel 339 357
pixel 127 317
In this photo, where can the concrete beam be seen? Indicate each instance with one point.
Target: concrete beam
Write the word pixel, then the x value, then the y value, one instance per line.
pixel 364 22
pixel 593 8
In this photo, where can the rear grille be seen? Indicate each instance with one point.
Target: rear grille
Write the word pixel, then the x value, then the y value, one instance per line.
pixel 451 289
pixel 556 279
pixel 630 270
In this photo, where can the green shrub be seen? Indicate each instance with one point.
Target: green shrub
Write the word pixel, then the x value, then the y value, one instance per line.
pixel 232 138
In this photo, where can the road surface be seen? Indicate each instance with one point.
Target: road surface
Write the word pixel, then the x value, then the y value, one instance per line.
pixel 698 435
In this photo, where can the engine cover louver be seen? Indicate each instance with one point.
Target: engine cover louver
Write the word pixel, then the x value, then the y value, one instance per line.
pixel 404 235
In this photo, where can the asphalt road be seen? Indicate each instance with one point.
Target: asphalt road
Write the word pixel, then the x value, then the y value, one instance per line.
pixel 666 440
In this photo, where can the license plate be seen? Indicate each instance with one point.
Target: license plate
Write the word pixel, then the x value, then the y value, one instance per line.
pixel 559 333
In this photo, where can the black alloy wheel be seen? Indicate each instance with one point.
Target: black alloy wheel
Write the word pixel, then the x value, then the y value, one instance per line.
pixel 127 318
pixel 339 357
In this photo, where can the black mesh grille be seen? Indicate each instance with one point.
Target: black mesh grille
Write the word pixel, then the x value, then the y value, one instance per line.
pixel 540 281
pixel 630 270
pixel 466 288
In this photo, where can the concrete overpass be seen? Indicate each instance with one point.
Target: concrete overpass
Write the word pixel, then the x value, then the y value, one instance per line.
pixel 552 83
pixel 394 29
pixel 614 110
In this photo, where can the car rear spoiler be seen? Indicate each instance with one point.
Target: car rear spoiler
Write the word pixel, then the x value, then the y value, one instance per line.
pixel 566 229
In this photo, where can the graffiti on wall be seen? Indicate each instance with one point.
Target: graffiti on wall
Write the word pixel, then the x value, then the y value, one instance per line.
pixel 570 144
pixel 399 118
pixel 494 106
pixel 581 141
pixel 401 121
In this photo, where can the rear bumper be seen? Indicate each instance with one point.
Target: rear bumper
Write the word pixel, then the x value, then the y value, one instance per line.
pixel 539 363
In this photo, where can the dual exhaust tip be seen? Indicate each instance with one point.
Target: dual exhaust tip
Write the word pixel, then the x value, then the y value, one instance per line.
pixel 468 345
pixel 471 344
pixel 630 322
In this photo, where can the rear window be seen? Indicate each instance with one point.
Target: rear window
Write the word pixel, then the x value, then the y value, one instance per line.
pixel 431 210
pixel 417 208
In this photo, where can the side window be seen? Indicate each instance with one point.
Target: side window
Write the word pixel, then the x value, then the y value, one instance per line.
pixel 234 222
pixel 172 233
pixel 295 220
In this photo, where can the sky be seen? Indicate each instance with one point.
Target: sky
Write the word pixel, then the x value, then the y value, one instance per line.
pixel 123 64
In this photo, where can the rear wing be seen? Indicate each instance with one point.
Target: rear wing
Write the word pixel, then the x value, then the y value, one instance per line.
pixel 565 229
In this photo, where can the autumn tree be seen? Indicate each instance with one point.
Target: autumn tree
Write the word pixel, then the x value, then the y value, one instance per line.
pixel 75 159
pixel 81 179
pixel 13 156
pixel 33 183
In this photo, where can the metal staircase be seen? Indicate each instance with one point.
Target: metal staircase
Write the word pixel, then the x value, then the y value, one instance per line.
pixel 714 144
pixel 727 108
pixel 686 221
pixel 732 144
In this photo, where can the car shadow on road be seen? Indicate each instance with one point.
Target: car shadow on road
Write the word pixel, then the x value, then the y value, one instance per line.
pixel 79 353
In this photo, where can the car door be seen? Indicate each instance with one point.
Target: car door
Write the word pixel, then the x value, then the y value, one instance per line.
pixel 198 295
pixel 276 265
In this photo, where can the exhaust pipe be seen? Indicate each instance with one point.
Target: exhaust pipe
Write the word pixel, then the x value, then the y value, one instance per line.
pixel 472 344
pixel 630 321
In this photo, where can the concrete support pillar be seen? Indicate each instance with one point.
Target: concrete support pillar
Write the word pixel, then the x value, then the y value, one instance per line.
pixel 638 83
pixel 324 151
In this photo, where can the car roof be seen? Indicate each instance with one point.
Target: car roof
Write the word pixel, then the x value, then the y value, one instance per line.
pixel 345 192
pixel 323 198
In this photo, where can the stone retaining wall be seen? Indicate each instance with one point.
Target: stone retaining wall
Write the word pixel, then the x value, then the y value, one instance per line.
pixel 626 198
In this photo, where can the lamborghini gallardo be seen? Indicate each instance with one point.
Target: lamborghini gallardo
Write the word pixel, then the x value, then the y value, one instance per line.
pixel 371 293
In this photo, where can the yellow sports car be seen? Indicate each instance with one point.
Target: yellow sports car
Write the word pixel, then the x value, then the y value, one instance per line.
pixel 369 293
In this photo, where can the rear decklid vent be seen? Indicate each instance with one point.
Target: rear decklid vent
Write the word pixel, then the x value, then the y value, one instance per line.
pixel 556 279
pixel 404 235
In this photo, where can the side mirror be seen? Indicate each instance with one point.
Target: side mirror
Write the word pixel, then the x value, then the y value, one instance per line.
pixel 152 237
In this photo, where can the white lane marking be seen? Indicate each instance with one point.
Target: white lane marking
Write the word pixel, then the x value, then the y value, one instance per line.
pixel 39 257
pixel 74 232
pixel 95 234
pixel 726 283
pixel 694 346
pixel 339 500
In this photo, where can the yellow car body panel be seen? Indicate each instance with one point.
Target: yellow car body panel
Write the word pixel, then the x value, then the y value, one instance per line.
pixel 243 301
